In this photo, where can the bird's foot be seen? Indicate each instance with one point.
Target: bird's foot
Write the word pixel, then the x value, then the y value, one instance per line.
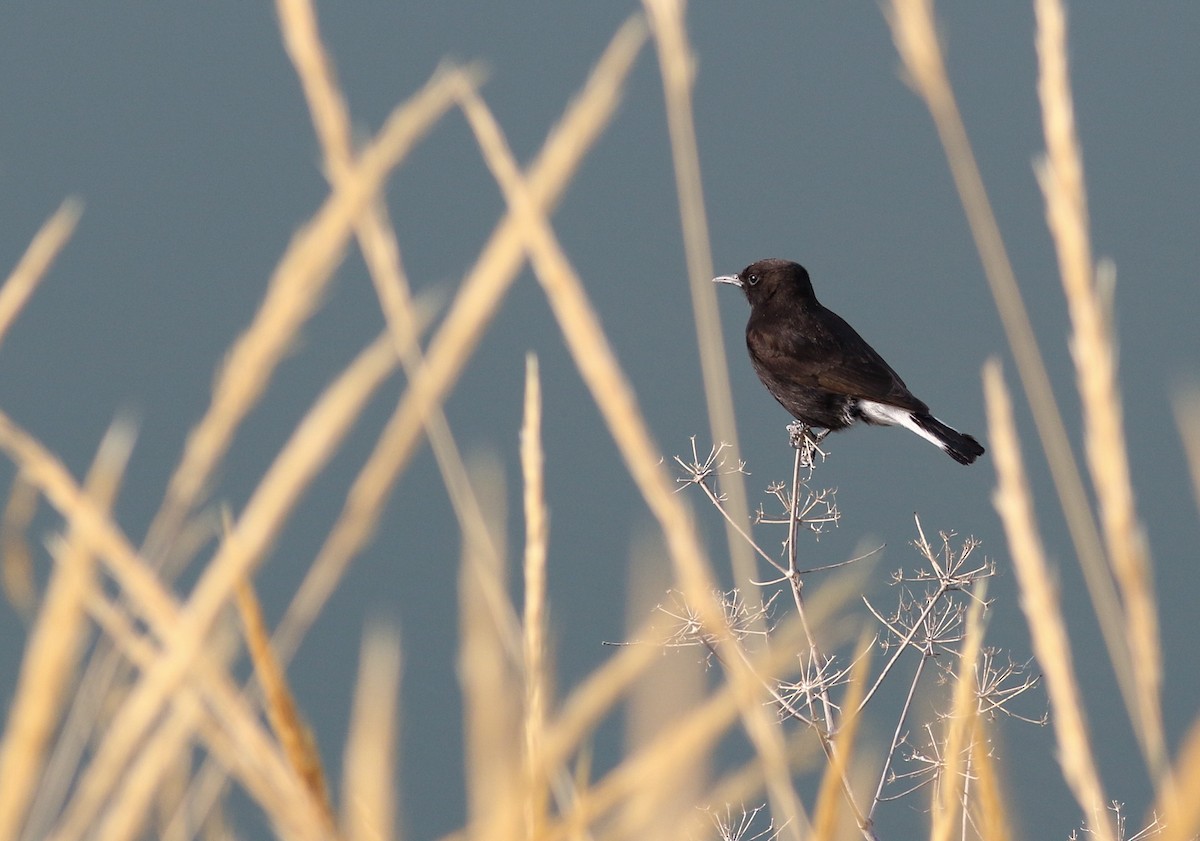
pixel 806 440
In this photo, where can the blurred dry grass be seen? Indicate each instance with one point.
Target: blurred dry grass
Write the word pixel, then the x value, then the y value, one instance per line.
pixel 165 729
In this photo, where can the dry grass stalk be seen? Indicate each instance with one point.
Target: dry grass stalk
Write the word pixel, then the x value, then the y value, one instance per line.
pixel 991 806
pixel 1181 815
pixel 292 731
pixel 1187 417
pixel 369 767
pixel 1092 346
pixel 474 305
pixel 489 674
pixel 534 620
pixel 36 261
pixel 377 242
pixel 834 790
pixel 310 446
pixel 89 522
pixel 914 31
pixel 229 728
pixel 692 736
pixel 666 807
pixel 18 288
pixel 1040 603
pixel 678 69
pixel 294 292
pixel 15 557
pixel 950 813
pixel 618 405
pixel 55 644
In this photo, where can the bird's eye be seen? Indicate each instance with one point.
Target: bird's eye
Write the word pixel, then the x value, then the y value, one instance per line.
pixel 752 280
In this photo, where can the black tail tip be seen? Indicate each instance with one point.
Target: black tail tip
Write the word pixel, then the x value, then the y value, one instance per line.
pixel 958 445
pixel 964 450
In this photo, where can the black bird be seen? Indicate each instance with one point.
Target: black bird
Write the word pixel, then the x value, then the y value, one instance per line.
pixel 820 369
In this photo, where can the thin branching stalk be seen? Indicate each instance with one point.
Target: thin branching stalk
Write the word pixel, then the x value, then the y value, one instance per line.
pixel 897 735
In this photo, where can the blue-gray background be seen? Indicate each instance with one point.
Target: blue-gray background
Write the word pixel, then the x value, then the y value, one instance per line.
pixel 183 129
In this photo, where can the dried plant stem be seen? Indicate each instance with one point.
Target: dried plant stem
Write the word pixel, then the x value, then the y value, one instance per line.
pixel 613 395
pixel 897 735
pixel 1092 346
pixel 369 767
pixel 1040 603
pixel 534 621
pixel 36 261
pixel 678 73
pixel 950 803
pixel 1181 815
pixel 289 726
pixel 905 639
pixel 16 558
pixel 55 643
pixel 916 40
pixel 474 306
pixel 293 294
pixel 837 774
pixel 831 743
pixel 1187 417
pixel 312 443
pixel 692 735
pixel 377 242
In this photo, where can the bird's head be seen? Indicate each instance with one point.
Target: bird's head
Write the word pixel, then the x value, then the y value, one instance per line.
pixel 767 279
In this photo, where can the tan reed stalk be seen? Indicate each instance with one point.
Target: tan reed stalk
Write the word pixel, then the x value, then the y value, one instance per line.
pixel 1187 417
pixel 228 727
pixel 491 683
pixel 746 783
pixel 292 731
pixel 1092 347
pixel 587 704
pixel 295 290
pixel 829 814
pixel 36 261
pixel 618 405
pixel 474 306
pixel 310 446
pixel 369 766
pixel 18 288
pixel 55 643
pixel 914 31
pixel 534 620
pixel 89 524
pixel 693 735
pixel 1181 815
pixel 377 241
pixel 45 472
pixel 678 68
pixel 20 588
pixel 991 807
pixel 666 806
pixel 1040 603
pixel 950 811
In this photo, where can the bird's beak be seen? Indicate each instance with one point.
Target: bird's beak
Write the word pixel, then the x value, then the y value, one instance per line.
pixel 731 279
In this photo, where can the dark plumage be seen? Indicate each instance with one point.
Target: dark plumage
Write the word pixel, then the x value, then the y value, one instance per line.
pixel 820 369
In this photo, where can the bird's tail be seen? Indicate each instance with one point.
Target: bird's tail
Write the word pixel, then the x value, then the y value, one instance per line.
pixel 958 445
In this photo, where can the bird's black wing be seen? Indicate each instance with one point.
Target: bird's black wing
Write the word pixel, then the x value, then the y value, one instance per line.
pixel 821 350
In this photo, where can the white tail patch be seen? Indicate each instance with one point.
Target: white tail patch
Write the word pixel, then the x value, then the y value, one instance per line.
pixel 885 415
